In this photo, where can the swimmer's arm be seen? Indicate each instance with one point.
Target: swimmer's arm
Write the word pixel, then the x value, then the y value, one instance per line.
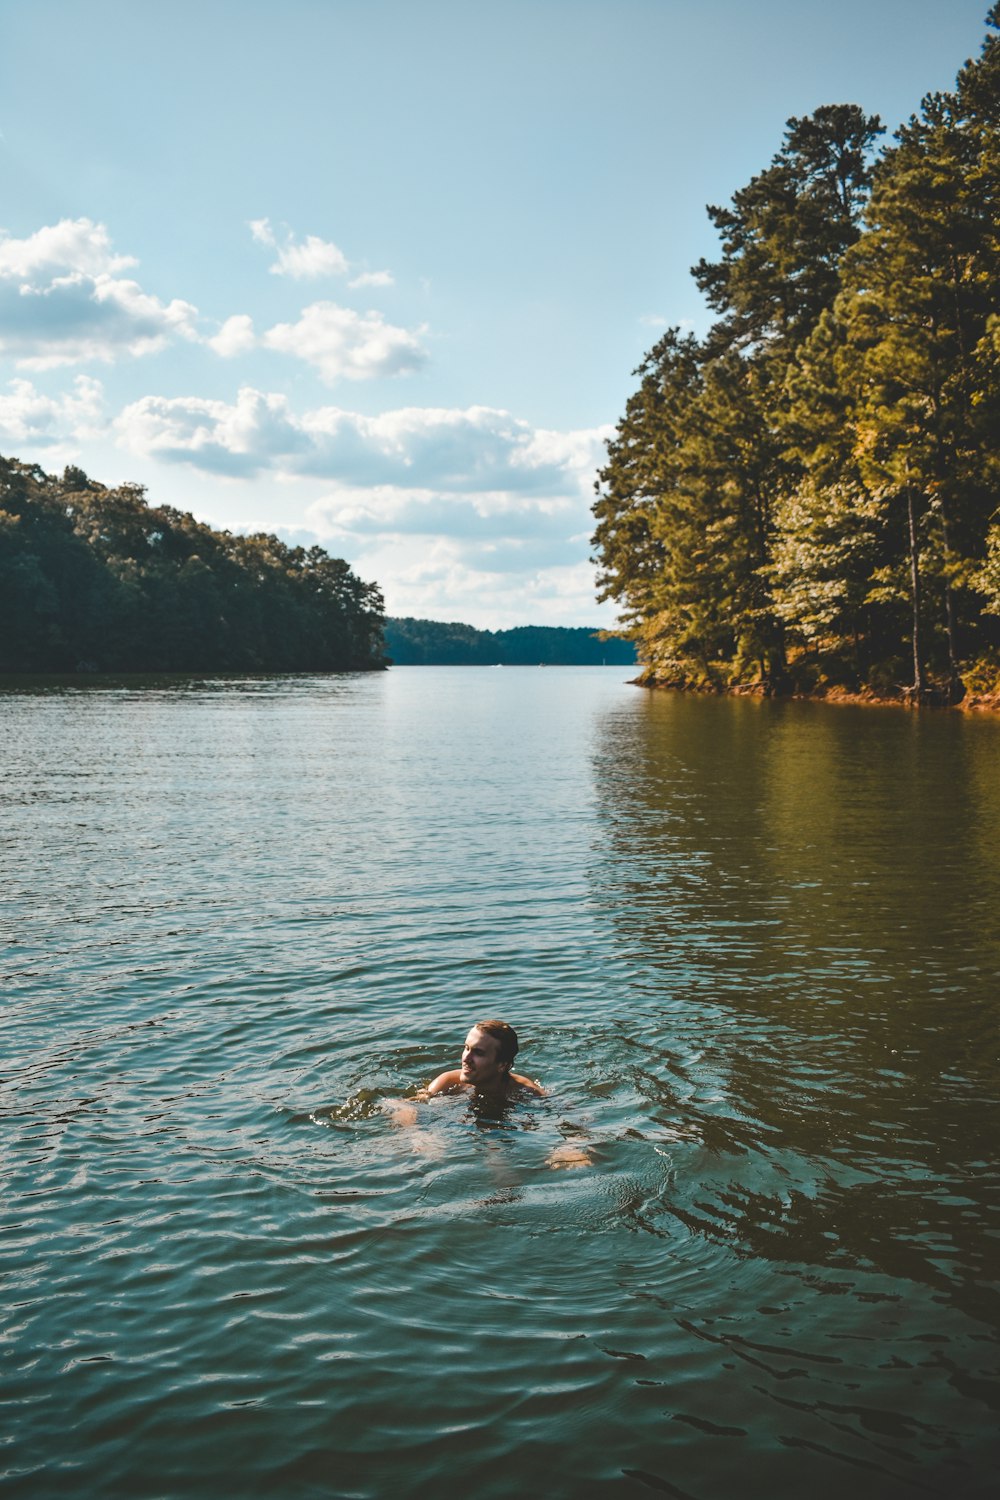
pixel 404 1111
pixel 442 1084
pixel 400 1111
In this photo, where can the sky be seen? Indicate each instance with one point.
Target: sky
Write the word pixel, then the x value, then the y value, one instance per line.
pixel 376 274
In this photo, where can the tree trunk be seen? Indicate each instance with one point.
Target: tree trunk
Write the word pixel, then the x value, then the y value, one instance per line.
pixel 918 671
pixel 777 658
pixel 956 688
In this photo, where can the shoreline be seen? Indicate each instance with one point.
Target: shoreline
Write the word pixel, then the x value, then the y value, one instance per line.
pixel 972 703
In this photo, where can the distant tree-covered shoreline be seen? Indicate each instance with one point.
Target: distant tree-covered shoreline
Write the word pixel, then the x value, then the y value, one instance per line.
pixel 411 642
pixel 809 497
pixel 96 579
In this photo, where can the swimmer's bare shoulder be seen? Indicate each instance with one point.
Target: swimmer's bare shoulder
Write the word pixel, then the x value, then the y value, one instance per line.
pixel 446 1083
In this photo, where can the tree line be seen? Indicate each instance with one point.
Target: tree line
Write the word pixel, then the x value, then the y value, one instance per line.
pixel 96 579
pixel 411 642
pixel 809 496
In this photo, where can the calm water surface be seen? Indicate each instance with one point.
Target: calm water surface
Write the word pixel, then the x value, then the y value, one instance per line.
pixel 751 948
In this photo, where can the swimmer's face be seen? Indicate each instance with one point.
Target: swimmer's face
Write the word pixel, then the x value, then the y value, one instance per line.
pixel 479 1060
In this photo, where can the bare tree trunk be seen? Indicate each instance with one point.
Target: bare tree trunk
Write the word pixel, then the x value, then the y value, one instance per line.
pixel 956 689
pixel 918 671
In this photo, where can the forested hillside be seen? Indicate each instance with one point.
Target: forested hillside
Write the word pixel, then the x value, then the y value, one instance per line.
pixel 410 642
pixel 808 496
pixel 96 579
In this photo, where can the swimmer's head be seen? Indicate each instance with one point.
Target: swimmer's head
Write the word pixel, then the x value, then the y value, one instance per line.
pixel 505 1037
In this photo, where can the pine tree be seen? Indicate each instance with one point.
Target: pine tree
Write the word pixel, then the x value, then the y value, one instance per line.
pixel 785 235
pixel 919 289
pixel 687 503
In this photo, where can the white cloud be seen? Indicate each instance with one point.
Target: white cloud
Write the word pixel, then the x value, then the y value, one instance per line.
pixel 79 244
pixel 420 451
pixel 236 336
pixel 255 433
pixel 476 449
pixel 314 257
pixel 340 343
pixel 262 231
pixel 373 278
pixel 304 261
pixel 28 416
pixel 444 580
pixel 62 300
pixel 494 519
pixel 459 513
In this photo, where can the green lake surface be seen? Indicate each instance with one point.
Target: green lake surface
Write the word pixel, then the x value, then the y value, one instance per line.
pixel 752 950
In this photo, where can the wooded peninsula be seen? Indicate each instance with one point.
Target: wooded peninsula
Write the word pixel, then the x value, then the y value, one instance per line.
pixel 807 499
pixel 97 580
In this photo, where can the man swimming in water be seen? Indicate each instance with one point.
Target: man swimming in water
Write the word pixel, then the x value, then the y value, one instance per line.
pixel 487 1070
pixel 487 1060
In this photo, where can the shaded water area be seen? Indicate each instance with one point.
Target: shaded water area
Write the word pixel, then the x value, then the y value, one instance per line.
pixel 751 948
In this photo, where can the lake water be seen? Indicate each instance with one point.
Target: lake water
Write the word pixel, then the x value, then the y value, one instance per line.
pixel 752 950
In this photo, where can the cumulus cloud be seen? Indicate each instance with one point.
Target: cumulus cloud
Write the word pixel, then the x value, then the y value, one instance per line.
pixel 255 433
pixel 313 257
pixel 442 579
pixel 79 244
pixel 492 520
pixel 28 416
pixel 304 260
pixel 342 344
pixel 64 301
pixel 477 450
pixel 236 336
pixel 460 513
pixel 338 343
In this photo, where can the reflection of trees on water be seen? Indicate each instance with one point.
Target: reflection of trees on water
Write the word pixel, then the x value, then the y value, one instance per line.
pixel 806 904
pixel 801 847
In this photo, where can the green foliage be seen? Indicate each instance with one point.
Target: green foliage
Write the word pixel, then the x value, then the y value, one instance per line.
pixel 687 502
pixel 785 234
pixel 96 579
pixel 810 494
pixel 987 579
pixel 412 642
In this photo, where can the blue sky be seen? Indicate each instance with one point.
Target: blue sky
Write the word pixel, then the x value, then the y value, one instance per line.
pixel 377 274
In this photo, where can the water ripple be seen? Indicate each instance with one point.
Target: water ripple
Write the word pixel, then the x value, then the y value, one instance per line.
pixel 750 948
